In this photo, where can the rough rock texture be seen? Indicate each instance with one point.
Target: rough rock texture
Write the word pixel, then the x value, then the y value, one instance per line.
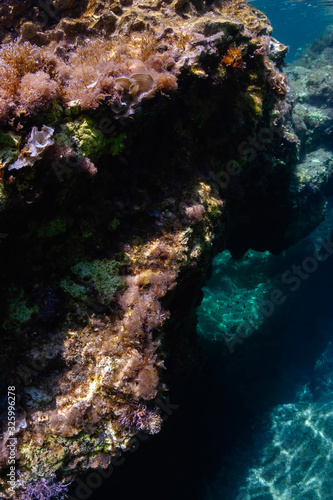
pixel 181 147
pixel 312 91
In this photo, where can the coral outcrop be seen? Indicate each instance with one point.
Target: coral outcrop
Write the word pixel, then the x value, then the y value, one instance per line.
pixel 138 139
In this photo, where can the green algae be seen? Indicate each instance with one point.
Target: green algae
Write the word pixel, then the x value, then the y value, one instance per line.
pixel 53 228
pixel 36 397
pixel 39 460
pixel 314 172
pixel 9 148
pixel 51 115
pixel 19 312
pixel 102 274
pixel 113 225
pixel 3 197
pixel 90 139
pixel 99 275
pixel 77 291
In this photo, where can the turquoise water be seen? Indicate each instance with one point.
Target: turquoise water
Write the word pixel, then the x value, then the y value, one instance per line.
pixel 296 24
pixel 282 445
pixel 271 361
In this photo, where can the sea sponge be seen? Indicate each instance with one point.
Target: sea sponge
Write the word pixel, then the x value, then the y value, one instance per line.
pixel 132 90
pixel 37 142
pixel 195 212
pixel 143 83
pixel 136 84
pixel 102 274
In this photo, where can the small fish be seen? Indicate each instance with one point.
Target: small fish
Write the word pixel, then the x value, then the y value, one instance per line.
pixel 298 52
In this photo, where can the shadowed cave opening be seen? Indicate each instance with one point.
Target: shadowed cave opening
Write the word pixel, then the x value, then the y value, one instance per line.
pixel 208 444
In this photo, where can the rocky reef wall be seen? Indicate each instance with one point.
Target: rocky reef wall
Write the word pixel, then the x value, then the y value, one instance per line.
pixel 138 140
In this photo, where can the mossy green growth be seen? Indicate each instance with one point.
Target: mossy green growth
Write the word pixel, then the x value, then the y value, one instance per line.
pixel 88 136
pixel 43 460
pixel 25 182
pixel 113 225
pixel 102 274
pixel 53 228
pixel 3 198
pixel 36 397
pixel 91 140
pixel 78 292
pixel 117 143
pixel 19 312
pixel 86 229
pixel 255 100
pixel 9 148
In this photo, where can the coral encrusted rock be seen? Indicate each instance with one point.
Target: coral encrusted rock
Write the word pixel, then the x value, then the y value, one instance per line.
pixel 312 116
pixel 169 139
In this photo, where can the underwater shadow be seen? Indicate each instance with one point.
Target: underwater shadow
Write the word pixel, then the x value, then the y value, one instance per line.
pixel 212 439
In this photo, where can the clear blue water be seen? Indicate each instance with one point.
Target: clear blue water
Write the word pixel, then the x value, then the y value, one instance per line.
pixel 296 24
pixel 283 438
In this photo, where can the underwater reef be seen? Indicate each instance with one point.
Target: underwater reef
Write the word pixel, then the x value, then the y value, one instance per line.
pixel 138 139
pixel 243 296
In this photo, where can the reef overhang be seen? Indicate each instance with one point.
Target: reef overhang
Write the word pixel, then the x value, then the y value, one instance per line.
pixel 138 140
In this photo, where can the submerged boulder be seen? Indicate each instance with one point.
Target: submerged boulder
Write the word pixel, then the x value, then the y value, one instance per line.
pixel 172 139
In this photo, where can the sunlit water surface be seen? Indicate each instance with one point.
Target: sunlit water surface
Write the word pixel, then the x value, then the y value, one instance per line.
pixel 296 24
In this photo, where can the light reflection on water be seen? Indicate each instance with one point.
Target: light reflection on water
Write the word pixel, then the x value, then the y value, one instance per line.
pixel 296 23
